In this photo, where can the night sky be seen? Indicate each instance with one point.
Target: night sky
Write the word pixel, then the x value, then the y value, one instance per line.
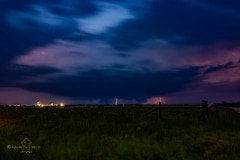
pixel 93 51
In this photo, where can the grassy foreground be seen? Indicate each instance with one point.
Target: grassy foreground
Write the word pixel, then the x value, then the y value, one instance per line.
pixel 117 133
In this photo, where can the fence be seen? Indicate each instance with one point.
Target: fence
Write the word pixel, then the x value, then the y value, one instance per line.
pixel 205 111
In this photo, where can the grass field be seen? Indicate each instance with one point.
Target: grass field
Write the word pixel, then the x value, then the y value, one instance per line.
pixel 108 133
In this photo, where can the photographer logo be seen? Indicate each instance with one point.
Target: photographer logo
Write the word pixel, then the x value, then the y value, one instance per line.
pixel 26 146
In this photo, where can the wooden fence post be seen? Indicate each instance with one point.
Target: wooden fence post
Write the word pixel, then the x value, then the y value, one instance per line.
pixel 160 110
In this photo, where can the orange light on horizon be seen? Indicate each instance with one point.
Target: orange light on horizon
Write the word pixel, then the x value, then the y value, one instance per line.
pixel 156 100
pixel 62 105
pixel 42 105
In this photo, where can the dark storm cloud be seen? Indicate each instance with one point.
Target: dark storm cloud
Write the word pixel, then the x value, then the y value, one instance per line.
pixel 64 7
pixel 219 67
pixel 233 4
pixel 101 49
pixel 99 84
pixel 14 43
pixel 13 74
pixel 26 24
pixel 180 22
pixel 119 66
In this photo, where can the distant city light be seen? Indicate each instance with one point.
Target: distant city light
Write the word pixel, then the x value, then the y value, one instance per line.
pixel 42 105
pixel 61 104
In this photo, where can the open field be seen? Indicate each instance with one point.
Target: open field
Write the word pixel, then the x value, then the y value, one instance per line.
pixel 116 133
